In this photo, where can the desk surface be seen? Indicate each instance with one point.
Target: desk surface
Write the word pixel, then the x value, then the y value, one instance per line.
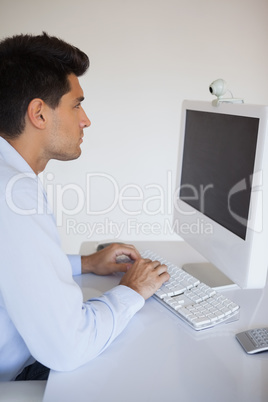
pixel 159 358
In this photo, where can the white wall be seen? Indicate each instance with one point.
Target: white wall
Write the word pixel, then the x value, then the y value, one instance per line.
pixel 146 57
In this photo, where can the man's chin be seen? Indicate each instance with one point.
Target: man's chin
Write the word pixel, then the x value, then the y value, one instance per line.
pixel 68 157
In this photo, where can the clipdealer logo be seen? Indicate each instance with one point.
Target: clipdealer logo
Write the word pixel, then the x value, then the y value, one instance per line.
pixel 101 195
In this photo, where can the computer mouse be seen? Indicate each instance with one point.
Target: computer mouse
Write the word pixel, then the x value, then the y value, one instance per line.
pixel 121 259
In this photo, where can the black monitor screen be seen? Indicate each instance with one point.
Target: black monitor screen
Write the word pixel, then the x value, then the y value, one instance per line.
pixel 218 163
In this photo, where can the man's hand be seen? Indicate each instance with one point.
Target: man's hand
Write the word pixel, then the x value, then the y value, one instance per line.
pixel 142 275
pixel 104 262
pixel 145 277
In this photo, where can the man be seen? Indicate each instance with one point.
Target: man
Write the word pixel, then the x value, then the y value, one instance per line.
pixel 44 322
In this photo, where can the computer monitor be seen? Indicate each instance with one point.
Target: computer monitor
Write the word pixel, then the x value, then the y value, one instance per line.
pixel 221 200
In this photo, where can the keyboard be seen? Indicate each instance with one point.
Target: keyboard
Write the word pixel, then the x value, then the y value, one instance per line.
pixel 197 304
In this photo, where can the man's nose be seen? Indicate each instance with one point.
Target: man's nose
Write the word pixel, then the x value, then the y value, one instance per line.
pixel 85 122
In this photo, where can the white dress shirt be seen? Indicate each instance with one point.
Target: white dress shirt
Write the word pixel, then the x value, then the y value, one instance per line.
pixel 42 314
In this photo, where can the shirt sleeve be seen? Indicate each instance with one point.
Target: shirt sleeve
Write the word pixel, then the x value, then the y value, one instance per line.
pixel 43 301
pixel 75 261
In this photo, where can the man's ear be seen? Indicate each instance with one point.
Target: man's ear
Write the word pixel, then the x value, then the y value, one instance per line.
pixel 37 113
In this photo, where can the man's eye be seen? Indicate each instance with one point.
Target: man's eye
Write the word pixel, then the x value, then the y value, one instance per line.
pixel 78 106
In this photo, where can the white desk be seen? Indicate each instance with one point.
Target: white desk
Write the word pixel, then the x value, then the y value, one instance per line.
pixel 159 358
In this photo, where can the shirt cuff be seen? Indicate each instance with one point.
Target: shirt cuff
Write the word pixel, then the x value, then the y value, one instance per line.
pixel 128 297
pixel 75 261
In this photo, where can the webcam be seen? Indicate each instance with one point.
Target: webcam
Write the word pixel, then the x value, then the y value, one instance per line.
pixel 219 88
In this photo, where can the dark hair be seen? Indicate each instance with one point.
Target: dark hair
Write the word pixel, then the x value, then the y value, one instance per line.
pixel 34 67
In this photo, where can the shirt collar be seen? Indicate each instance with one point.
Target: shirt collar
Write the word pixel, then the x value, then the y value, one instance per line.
pixel 13 158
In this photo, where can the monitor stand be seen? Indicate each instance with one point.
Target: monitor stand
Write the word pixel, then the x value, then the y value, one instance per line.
pixel 210 275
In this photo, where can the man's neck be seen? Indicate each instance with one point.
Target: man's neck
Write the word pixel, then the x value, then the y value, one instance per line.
pixel 30 151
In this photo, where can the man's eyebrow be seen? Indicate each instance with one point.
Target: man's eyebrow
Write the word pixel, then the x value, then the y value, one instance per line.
pixel 79 99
